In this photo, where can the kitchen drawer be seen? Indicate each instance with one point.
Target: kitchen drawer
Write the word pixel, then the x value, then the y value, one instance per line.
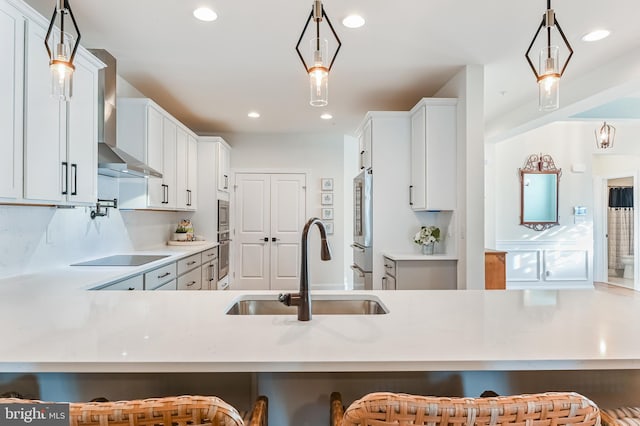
pixel 170 286
pixel 388 282
pixel 210 275
pixel 389 267
pixel 210 254
pixel 188 263
pixel 131 283
pixel 191 280
pixel 155 278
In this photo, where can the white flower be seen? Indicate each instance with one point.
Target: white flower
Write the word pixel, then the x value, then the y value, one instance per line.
pixel 427 235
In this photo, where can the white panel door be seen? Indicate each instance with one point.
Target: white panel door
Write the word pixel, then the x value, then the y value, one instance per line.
pixel 155 189
pixel 169 164
pixel 11 80
pixel 287 222
pixel 270 214
pixel 252 232
pixel 83 134
pixel 46 167
pixel 181 168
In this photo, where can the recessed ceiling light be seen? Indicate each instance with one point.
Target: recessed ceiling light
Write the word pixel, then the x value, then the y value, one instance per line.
pixel 326 116
pixel 205 14
pixel 596 35
pixel 353 21
pixel 253 114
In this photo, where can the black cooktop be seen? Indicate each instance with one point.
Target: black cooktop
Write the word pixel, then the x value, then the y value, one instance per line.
pixel 122 260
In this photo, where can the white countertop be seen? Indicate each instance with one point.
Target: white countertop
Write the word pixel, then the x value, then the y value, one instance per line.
pixel 418 256
pixel 87 277
pixel 63 330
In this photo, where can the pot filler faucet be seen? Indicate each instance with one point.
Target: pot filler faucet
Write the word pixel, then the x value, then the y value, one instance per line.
pixel 302 299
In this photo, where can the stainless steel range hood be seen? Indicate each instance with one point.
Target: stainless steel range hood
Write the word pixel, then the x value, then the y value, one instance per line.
pixel 112 161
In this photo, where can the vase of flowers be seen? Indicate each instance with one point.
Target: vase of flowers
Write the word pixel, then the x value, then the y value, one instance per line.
pixel 426 238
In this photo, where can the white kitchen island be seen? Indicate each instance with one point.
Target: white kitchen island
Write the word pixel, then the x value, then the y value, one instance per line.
pixel 72 344
pixel 48 328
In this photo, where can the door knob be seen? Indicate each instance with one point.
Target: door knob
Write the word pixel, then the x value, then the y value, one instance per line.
pixel 265 239
pixel 274 239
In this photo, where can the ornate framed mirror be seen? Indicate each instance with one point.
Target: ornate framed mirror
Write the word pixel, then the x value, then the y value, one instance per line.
pixel 539 192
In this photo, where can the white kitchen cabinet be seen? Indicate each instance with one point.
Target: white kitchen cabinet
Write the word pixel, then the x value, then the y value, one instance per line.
pixel 168 286
pixel 191 280
pixel 169 134
pixel 152 135
pixel 224 166
pixel 82 134
pixel 192 172
pixel 365 143
pixel 419 274
pixel 159 276
pixel 132 283
pixel 60 140
pixel 433 155
pixel 186 169
pixel 45 166
pixel 12 27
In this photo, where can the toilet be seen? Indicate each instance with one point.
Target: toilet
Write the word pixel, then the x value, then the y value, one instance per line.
pixel 627 261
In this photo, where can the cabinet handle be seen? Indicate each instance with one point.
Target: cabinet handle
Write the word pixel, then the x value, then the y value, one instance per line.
pixel 65 178
pixel 165 194
pixel 211 254
pixel 191 263
pixel 74 172
pixel 131 288
pixel 274 239
pixel 360 249
pixel 384 283
pixel 191 283
pixel 166 274
pixel 265 239
pixel 188 197
pixel 410 195
pixel 226 182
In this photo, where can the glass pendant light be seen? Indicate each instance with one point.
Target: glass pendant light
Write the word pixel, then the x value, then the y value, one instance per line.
pixel 605 135
pixel 549 72
pixel 319 48
pixel 63 53
pixel 319 73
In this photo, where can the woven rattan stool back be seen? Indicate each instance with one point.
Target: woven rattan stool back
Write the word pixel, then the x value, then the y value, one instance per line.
pixel 169 411
pixel 548 409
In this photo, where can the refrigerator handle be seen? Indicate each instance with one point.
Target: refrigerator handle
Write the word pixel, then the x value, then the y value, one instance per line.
pixel 358 270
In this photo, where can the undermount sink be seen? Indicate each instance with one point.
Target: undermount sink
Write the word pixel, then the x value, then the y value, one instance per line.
pixel 320 305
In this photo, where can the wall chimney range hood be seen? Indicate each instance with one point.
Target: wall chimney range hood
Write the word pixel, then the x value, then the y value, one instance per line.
pixel 112 161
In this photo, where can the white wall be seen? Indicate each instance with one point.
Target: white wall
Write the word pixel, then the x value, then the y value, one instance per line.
pixel 322 156
pixel 468 87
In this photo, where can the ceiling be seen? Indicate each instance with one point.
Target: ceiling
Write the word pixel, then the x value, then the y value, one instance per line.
pixel 210 75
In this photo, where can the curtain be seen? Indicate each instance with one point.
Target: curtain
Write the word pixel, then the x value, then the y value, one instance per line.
pixel 621 197
pixel 620 225
pixel 620 235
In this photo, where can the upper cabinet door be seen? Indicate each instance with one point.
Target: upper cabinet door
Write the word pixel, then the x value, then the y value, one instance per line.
pixel 46 168
pixel 433 155
pixel 224 166
pixel 192 173
pixel 181 170
pixel 156 193
pixel 169 129
pixel 82 134
pixel 12 25
pixel 366 143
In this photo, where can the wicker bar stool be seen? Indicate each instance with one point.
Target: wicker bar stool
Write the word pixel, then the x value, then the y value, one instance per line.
pixel 391 409
pixel 623 416
pixel 168 411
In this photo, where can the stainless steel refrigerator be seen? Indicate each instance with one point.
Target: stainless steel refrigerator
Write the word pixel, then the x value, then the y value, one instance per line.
pixel 362 227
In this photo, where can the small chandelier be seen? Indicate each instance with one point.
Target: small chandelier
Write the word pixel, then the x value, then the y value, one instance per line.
pixel 605 136
pixel 320 65
pixel 63 53
pixel 549 72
